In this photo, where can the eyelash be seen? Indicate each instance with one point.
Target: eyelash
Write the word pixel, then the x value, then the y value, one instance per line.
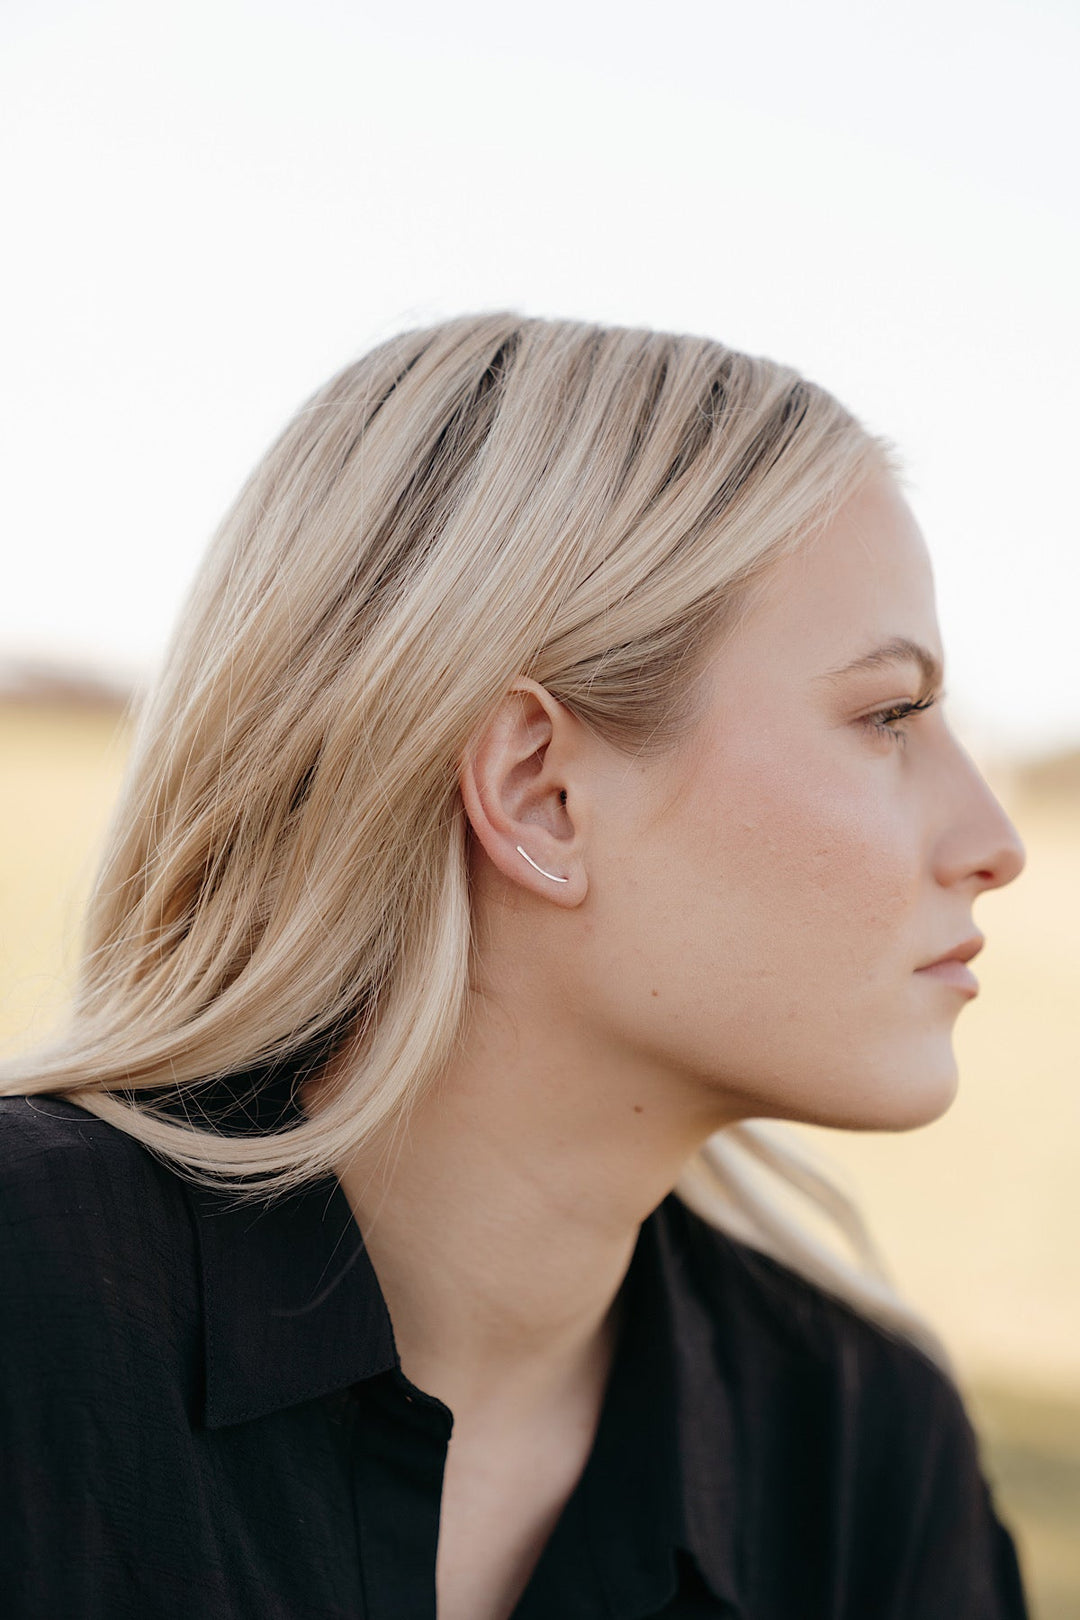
pixel 882 720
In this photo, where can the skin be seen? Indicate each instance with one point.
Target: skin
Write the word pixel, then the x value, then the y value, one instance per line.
pixel 738 937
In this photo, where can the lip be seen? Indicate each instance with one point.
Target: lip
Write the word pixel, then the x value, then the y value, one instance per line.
pixel 952 969
pixel 963 952
pixel 954 973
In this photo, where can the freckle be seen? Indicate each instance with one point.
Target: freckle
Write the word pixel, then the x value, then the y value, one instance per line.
pixel 654 992
pixel 639 1108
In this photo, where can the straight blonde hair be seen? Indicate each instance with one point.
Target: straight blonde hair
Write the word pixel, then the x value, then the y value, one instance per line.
pixel 286 878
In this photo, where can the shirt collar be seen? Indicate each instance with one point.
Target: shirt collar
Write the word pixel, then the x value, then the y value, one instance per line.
pixel 706 1427
pixel 667 1388
pixel 293 1310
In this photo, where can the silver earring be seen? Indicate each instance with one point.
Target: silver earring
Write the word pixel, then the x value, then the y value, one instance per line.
pixel 540 868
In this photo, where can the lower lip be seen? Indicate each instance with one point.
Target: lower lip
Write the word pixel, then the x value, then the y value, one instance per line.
pixel 957 974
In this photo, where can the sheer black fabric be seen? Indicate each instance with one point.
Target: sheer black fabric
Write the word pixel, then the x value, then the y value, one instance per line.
pixel 203 1414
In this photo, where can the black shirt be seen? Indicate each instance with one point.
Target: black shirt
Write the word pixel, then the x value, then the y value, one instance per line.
pixel 203 1414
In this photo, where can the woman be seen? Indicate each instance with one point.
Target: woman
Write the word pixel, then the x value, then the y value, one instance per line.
pixel 546 789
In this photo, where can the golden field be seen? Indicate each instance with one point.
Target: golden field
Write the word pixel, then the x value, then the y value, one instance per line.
pixel 978 1213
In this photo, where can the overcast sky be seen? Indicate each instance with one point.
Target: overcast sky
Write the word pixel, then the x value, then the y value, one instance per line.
pixel 209 208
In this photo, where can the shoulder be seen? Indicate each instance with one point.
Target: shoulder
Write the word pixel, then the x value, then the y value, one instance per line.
pixel 783 1313
pixel 58 1162
pixel 95 1235
pixel 784 1329
pixel 101 1345
pixel 37 1128
pixel 862 1414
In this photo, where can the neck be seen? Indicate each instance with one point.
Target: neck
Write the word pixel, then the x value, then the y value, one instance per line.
pixel 501 1221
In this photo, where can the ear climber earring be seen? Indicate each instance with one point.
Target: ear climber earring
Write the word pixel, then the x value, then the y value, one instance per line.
pixel 540 868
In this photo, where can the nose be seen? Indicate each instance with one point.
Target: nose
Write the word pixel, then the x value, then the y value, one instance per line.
pixel 980 841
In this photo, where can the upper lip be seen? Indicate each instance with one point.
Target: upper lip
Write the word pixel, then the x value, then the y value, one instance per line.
pixel 959 953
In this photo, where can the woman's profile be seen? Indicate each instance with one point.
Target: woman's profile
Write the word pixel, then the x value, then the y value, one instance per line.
pixel 546 794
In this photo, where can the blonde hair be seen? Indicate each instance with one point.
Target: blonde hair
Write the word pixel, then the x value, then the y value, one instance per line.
pixel 287 874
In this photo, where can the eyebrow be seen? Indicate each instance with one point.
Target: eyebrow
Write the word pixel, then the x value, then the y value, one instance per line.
pixel 900 650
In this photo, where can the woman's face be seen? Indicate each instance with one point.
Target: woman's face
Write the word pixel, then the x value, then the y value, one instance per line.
pixel 759 905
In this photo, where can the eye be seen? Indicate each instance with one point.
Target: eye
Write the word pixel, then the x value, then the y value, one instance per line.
pixel 885 721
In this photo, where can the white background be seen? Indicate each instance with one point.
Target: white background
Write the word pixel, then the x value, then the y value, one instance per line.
pixel 208 209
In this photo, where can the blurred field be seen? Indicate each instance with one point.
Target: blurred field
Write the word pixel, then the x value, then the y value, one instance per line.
pixel 60 766
pixel 977 1213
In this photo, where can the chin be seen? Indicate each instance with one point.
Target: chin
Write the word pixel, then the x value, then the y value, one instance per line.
pixel 910 1101
pixel 896 1100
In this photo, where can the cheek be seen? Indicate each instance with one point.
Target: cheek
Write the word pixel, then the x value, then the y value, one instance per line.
pixel 815 869
pixel 762 941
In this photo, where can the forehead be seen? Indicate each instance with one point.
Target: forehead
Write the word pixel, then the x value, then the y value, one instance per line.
pixel 865 578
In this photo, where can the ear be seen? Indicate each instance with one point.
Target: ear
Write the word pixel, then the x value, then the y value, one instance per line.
pixel 517 786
